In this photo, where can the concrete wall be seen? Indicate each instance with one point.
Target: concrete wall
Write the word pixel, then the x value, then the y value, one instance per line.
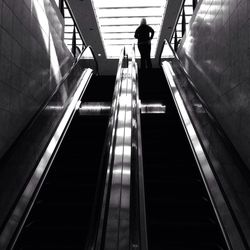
pixel 215 52
pixel 33 59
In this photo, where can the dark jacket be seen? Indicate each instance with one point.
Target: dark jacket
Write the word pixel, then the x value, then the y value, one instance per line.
pixel 144 34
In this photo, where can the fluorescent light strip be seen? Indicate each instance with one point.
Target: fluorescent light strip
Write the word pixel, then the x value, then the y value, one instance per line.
pixel 124 25
pixel 132 7
pixel 131 15
pixel 117 18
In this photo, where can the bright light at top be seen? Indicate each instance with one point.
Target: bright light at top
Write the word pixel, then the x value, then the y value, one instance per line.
pixel 118 20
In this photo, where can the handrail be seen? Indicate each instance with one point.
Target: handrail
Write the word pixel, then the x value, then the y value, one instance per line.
pixel 138 213
pixel 189 80
pixel 212 117
pixel 162 47
pixel 177 19
pixel 97 235
pixel 75 23
pixel 228 146
pixel 183 21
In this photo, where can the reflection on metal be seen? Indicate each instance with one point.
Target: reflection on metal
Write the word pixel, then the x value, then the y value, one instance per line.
pixel 120 203
pixel 42 167
pixel 54 108
pixel 94 108
pixel 217 199
pixel 138 213
pixel 109 229
pixel 117 231
pixel 153 108
pixel 199 108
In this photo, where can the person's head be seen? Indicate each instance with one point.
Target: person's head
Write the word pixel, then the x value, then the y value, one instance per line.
pixel 143 21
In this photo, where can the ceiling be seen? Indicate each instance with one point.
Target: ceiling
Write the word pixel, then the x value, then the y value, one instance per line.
pixel 118 19
pixel 85 16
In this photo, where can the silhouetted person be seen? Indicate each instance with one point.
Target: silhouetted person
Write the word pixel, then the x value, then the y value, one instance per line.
pixel 144 33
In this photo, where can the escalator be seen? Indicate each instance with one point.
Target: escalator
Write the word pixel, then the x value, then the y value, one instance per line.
pixel 147 193
pixel 178 210
pixel 61 215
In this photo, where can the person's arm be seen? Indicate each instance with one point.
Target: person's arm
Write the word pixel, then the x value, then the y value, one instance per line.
pixel 136 34
pixel 152 33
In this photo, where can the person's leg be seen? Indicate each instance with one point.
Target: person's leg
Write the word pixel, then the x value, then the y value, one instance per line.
pixel 143 55
pixel 147 56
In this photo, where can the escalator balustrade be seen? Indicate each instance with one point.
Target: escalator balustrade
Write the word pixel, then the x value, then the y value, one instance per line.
pixel 179 214
pixel 178 210
pixel 61 215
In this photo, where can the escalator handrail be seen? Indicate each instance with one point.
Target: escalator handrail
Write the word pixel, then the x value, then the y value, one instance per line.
pixel 232 152
pixel 162 48
pixel 16 218
pixel 138 208
pixel 75 23
pixel 42 109
pixel 97 236
pixel 211 116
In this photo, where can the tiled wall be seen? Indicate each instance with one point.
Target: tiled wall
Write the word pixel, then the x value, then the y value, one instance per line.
pixel 33 59
pixel 216 53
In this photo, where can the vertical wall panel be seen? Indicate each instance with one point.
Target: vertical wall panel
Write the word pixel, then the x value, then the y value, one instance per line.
pixel 215 52
pixel 33 60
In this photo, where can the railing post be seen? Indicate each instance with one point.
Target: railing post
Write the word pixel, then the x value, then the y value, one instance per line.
pixel 194 4
pixel 61 7
pixel 183 24
pixel 74 41
pixel 175 41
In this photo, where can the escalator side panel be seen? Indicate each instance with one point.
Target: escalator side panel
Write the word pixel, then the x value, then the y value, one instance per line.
pixel 62 212
pixel 179 214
